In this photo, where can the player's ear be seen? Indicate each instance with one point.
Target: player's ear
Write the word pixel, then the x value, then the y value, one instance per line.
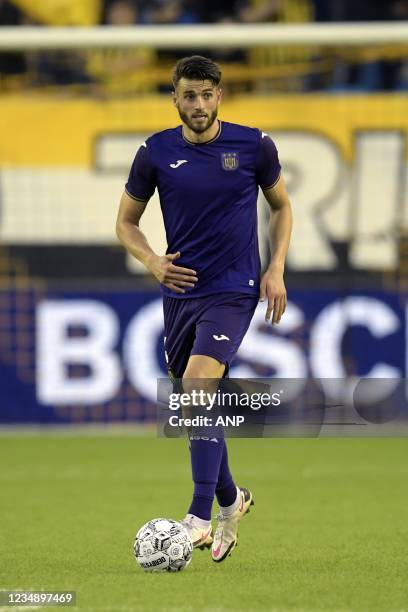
pixel 174 96
pixel 219 95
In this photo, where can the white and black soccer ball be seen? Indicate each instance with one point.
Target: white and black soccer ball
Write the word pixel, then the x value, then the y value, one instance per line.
pixel 163 545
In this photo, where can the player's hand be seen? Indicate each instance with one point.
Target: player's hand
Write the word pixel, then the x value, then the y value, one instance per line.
pixel 273 289
pixel 170 275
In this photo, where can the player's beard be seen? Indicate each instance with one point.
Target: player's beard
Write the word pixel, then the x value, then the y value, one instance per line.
pixel 198 129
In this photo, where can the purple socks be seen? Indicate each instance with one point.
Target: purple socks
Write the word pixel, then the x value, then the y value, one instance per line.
pixel 211 475
pixel 226 491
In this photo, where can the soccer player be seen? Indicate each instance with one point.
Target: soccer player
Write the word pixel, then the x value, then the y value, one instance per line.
pixel 207 173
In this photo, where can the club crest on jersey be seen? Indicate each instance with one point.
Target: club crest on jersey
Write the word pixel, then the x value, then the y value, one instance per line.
pixel 230 161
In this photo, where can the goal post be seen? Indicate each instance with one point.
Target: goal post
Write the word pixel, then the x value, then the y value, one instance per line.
pixel 208 36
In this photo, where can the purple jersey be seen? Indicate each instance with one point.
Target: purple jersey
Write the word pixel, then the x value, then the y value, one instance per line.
pixel 208 196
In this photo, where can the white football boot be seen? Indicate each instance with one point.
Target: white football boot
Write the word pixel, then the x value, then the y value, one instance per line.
pixel 226 535
pixel 201 537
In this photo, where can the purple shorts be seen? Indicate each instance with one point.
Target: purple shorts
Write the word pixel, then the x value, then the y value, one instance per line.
pixel 212 325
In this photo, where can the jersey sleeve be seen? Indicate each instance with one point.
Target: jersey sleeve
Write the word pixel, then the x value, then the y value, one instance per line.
pixel 268 168
pixel 142 177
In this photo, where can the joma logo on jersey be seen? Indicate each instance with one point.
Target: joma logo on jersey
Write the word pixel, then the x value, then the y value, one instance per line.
pixel 230 161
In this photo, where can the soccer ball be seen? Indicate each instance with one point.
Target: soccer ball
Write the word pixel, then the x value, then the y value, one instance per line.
pixel 163 545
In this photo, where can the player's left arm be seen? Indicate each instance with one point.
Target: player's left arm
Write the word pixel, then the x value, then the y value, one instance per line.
pixel 280 227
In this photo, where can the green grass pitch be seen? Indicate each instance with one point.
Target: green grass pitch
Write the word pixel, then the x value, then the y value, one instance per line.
pixel 329 529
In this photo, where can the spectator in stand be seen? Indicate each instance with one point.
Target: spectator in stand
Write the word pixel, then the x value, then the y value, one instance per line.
pixel 161 12
pixel 126 71
pixel 228 55
pixel 168 11
pixel 53 67
pixel 221 12
pixel 13 66
pixel 363 10
pixel 216 11
pixel 289 64
pixel 363 75
pixel 263 10
pixel 63 68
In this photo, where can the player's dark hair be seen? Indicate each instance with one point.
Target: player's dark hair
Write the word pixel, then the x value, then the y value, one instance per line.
pixel 197 68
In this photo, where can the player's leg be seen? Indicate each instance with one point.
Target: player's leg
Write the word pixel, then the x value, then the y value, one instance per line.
pixel 206 453
pixel 179 334
pixel 211 329
pixel 219 333
pixel 234 503
pixel 180 321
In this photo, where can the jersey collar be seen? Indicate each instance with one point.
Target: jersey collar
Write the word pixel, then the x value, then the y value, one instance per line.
pixel 195 144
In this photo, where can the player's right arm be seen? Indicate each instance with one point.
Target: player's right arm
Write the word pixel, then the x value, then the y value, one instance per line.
pixel 135 242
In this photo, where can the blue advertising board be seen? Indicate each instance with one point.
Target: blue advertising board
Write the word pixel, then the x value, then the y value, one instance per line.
pixel 95 356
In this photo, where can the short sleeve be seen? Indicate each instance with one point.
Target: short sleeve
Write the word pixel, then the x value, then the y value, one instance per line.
pixel 268 168
pixel 142 177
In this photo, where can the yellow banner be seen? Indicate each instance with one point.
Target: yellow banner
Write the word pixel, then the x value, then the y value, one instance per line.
pixel 42 131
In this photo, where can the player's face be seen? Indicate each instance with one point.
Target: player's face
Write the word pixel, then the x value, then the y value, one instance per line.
pixel 197 103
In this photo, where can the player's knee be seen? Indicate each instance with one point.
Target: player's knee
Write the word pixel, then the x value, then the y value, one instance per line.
pixel 203 367
pixel 201 386
pixel 202 374
pixel 196 383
